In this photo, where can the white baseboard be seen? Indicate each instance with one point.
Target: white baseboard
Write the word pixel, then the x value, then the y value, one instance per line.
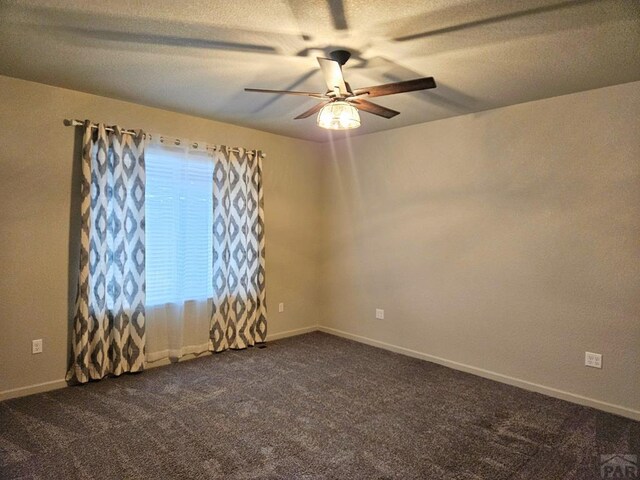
pixel 534 387
pixel 56 384
pixel 161 362
pixel 31 389
pixel 291 333
pixel 516 382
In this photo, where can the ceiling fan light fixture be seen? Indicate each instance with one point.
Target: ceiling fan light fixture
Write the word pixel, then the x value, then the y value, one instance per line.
pixel 339 115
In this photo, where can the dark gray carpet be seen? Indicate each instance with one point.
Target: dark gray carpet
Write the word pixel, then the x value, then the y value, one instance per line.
pixel 313 406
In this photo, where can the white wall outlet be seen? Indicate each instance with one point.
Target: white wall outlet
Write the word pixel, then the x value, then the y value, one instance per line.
pixel 379 314
pixel 281 307
pixel 593 360
pixel 36 346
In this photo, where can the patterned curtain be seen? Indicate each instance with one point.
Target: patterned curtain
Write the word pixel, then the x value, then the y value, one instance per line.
pixel 109 325
pixel 239 317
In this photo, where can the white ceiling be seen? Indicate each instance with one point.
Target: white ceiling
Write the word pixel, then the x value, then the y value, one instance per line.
pixel 197 57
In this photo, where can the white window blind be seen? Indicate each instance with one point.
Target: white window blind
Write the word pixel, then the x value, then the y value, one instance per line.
pixel 178 208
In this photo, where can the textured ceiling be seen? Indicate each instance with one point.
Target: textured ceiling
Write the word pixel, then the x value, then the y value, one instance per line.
pixel 197 57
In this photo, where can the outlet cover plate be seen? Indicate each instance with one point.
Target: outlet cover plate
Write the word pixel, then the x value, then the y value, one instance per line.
pixel 281 307
pixel 36 346
pixel 379 314
pixel 593 359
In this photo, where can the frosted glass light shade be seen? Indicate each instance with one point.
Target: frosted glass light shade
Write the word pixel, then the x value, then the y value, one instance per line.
pixel 339 116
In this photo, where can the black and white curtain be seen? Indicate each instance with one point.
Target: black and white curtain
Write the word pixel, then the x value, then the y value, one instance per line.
pixel 239 317
pixel 203 249
pixel 109 325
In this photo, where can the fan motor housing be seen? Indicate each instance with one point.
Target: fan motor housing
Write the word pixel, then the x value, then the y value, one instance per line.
pixel 340 56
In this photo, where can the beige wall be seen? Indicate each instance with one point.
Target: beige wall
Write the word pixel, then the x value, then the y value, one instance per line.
pixel 36 155
pixel 507 240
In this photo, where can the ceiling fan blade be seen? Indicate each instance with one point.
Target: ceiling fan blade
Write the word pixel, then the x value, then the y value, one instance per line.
pixel 397 87
pixel 296 83
pixel 333 75
pixel 374 108
pixel 311 111
pixel 286 92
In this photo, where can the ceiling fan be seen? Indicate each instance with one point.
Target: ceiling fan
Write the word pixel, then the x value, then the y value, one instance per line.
pixel 339 107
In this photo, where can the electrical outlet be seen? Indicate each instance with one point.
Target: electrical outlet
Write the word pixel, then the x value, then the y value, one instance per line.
pixel 281 307
pixel 593 360
pixel 36 346
pixel 379 314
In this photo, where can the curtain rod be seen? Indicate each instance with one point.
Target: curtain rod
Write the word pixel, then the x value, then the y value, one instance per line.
pixel 69 122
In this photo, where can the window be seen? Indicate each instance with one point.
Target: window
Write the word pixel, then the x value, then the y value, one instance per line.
pixel 178 208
